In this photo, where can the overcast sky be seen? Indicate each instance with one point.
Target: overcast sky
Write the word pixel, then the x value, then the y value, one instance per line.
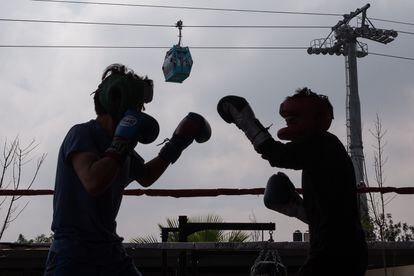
pixel 46 91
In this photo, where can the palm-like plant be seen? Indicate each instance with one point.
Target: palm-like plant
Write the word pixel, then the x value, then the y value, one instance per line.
pixel 200 236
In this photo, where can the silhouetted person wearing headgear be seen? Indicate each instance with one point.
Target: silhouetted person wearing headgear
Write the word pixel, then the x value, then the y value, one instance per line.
pixel 96 162
pixel 329 205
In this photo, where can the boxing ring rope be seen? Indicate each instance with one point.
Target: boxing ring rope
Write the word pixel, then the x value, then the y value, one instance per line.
pixel 177 193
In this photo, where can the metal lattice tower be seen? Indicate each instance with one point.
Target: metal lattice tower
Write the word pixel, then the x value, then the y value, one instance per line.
pixel 343 41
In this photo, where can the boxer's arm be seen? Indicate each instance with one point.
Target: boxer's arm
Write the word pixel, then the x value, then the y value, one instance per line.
pixel 96 174
pixel 291 155
pixel 151 171
pixel 192 127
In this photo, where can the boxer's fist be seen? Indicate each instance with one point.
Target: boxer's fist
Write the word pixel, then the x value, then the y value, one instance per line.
pixel 236 110
pixel 192 127
pixel 281 196
pixel 134 127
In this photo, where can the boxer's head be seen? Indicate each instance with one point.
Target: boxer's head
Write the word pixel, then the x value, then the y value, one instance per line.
pixel 305 113
pixel 121 89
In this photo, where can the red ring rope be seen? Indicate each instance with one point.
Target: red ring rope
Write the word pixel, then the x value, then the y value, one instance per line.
pixel 203 192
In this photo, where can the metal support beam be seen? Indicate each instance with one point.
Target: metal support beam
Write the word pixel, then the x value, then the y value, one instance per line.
pixel 355 146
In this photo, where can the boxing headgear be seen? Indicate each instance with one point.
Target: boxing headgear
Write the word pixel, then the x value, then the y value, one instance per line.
pixel 305 114
pixel 123 90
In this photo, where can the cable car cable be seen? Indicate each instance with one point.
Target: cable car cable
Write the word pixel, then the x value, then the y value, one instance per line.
pixel 392 21
pixel 391 56
pixel 82 46
pixel 155 47
pixel 188 7
pixel 214 9
pixel 85 22
pixel 405 32
pixel 192 47
pixel 258 26
pixel 173 26
pixel 162 25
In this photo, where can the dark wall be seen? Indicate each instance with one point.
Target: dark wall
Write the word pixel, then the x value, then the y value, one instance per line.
pixel 201 258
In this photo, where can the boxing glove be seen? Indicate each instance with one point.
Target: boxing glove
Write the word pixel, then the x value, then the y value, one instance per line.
pixel 236 110
pixel 192 127
pixel 134 127
pixel 281 196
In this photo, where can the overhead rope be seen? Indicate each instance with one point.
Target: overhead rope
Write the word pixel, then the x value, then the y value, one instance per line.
pixel 85 22
pixel 100 23
pixel 121 24
pixel 167 47
pixel 391 56
pixel 203 192
pixel 154 47
pixel 188 7
pixel 211 9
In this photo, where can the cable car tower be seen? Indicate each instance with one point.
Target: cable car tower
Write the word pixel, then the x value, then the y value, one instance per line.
pixel 343 41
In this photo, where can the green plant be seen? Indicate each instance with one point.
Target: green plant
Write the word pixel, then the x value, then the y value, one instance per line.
pixel 200 236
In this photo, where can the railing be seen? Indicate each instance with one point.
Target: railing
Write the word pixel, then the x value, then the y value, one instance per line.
pixel 203 192
pixel 186 228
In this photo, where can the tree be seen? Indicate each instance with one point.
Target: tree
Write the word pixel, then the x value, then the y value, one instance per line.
pixel 42 238
pixel 22 239
pixel 378 202
pixel 397 232
pixel 200 236
pixel 13 160
pixel 380 226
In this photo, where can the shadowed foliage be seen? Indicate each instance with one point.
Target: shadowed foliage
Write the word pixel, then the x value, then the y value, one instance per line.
pixel 201 236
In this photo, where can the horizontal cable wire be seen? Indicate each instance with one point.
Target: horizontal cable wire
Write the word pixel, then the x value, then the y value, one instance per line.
pixel 191 47
pixel 172 25
pixel 214 9
pixel 259 26
pixel 391 56
pixel 82 46
pixel 162 25
pixel 392 21
pixel 84 22
pixel 188 7
pixel 156 47
pixel 405 32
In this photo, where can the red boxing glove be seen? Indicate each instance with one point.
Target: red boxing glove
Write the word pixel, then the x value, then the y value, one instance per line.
pixel 192 127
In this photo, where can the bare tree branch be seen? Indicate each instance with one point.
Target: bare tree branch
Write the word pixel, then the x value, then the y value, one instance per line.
pixel 378 204
pixel 8 157
pixel 14 158
pixel 21 210
pixel 6 219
